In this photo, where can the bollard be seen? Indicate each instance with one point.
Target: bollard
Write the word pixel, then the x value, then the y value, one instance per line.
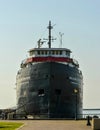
pixel 88 121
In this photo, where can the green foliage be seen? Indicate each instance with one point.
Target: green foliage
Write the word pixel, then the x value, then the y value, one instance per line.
pixel 9 125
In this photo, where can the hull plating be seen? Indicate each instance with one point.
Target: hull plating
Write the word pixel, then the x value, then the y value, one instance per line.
pixel 48 89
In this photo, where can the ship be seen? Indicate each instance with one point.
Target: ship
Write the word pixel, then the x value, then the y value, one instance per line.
pixel 49 83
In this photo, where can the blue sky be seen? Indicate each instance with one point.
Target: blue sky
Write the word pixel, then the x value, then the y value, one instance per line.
pixel 23 22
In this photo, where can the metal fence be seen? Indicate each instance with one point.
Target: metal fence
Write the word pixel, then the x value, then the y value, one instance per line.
pixel 14 116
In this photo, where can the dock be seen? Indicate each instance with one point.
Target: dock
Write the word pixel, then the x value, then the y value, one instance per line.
pixel 53 124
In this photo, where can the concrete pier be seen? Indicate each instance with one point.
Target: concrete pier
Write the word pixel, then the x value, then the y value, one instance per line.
pixel 54 125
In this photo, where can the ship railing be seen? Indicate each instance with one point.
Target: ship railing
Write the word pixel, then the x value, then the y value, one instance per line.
pixel 84 116
pixel 46 116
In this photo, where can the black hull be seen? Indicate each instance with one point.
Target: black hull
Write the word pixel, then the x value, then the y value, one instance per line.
pixel 47 90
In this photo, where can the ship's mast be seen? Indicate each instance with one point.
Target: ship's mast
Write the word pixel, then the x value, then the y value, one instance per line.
pixel 49 37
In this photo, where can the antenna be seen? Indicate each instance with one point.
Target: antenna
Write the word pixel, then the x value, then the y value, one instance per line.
pixel 61 34
pixel 49 36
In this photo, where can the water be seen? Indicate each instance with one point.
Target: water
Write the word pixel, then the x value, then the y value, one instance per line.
pixel 91 112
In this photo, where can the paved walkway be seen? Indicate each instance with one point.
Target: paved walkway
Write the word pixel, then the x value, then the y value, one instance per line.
pixel 55 125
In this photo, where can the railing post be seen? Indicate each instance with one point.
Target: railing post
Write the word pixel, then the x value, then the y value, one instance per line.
pixel 88 121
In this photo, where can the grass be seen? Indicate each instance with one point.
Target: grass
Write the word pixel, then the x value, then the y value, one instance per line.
pixel 9 125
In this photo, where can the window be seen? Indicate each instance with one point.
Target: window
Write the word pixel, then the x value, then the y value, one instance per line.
pixel 42 52
pixel 41 92
pixel 45 52
pixel 56 52
pixel 53 52
pixel 31 53
pixel 57 91
pixel 60 52
pixel 67 53
pixel 38 52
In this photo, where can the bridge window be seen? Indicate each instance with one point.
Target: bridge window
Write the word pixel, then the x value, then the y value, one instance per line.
pixel 67 53
pixel 56 52
pixel 31 53
pixel 60 52
pixel 45 52
pixel 38 52
pixel 42 52
pixel 52 52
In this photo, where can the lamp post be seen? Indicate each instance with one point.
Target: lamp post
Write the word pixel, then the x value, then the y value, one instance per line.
pixel 75 92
